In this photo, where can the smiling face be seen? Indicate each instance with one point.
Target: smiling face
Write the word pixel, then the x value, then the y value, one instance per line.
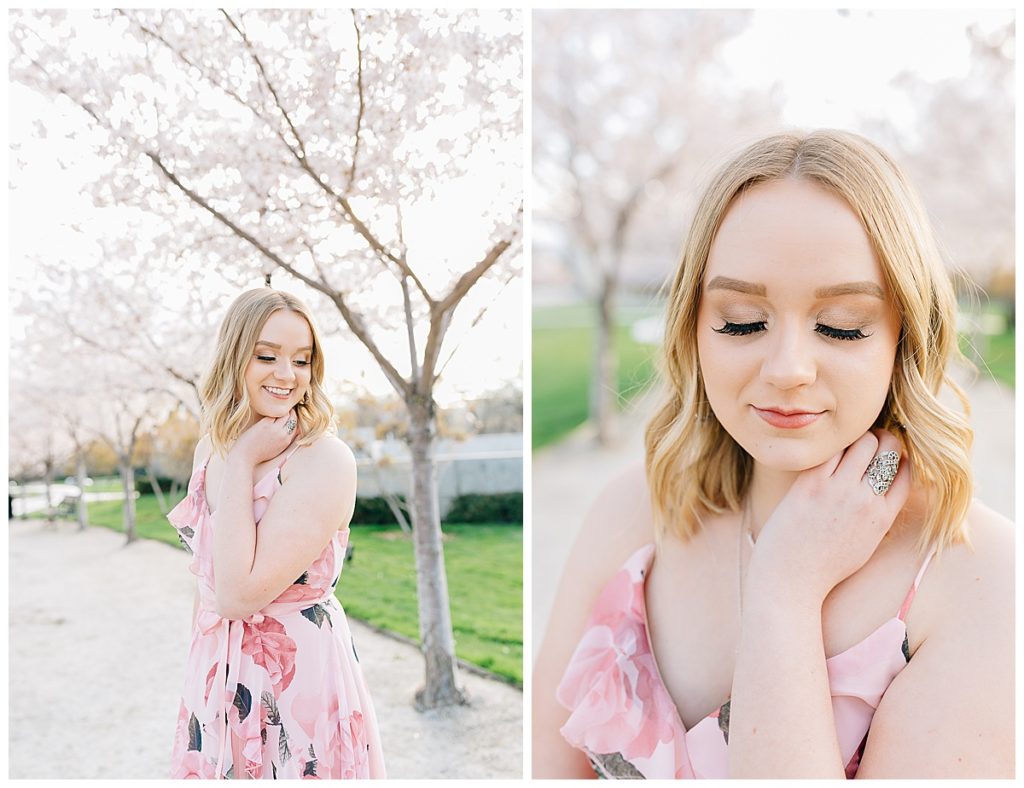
pixel 278 373
pixel 796 329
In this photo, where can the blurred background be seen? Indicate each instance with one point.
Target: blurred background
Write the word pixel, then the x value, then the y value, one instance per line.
pixel 632 113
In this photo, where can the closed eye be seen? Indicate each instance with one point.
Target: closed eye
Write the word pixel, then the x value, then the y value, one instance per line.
pixel 746 329
pixel 840 333
pixel 271 359
pixel 741 329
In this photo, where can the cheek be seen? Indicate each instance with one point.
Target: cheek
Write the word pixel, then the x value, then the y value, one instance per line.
pixel 862 387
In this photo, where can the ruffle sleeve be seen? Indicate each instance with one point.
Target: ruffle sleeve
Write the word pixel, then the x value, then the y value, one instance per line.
pixel 185 516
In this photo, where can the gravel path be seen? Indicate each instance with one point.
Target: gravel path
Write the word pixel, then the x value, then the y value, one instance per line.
pixel 97 643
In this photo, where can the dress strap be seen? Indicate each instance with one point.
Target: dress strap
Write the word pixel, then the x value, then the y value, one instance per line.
pixel 287 456
pixel 905 607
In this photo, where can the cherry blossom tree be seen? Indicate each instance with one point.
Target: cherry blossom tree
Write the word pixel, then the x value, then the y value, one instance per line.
pixel 625 103
pixel 960 154
pixel 84 387
pixel 332 147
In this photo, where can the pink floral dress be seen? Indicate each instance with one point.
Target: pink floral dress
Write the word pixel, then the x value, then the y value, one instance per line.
pixel 623 718
pixel 279 694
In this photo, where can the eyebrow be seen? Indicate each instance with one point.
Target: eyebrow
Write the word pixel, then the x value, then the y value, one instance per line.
pixel 851 288
pixel 278 347
pixel 728 283
pixel 753 288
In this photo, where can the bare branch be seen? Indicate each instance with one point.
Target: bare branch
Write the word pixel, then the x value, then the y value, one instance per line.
pixel 353 320
pixel 440 314
pixel 469 278
pixel 410 333
pixel 362 105
pixel 268 83
pixel 340 200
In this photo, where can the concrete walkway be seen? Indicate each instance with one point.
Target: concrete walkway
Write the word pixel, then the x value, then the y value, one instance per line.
pixel 568 476
pixel 97 643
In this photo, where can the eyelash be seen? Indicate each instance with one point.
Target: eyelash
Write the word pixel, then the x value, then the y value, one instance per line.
pixel 271 358
pixel 746 329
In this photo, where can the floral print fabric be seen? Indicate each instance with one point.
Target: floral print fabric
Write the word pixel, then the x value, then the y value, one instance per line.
pixel 623 718
pixel 279 694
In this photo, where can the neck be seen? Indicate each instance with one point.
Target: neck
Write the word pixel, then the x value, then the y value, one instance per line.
pixel 767 489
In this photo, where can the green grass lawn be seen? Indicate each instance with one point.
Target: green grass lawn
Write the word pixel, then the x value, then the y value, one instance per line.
pixel 485 581
pixel 105 484
pixel 484 564
pixel 562 360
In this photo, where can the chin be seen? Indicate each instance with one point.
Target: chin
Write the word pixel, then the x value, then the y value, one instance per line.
pixel 791 459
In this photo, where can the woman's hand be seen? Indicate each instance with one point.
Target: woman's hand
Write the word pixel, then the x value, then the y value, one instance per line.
pixel 266 439
pixel 830 522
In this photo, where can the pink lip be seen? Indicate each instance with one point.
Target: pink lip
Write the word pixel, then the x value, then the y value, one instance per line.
pixel 791 420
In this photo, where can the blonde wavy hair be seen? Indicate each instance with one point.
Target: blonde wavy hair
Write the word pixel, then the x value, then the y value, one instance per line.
pixel 693 465
pixel 225 402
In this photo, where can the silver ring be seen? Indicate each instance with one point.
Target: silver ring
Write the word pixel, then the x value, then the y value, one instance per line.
pixel 290 425
pixel 882 470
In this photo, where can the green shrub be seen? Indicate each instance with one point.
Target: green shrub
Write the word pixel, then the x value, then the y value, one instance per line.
pixel 143 487
pixel 476 508
pixel 374 511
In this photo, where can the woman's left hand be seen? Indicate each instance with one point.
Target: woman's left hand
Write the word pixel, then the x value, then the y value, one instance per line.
pixel 830 521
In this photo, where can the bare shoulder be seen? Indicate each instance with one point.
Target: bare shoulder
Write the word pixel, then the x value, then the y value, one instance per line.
pixel 616 525
pixel 620 520
pixel 960 682
pixel 327 456
pixel 978 578
pixel 203 449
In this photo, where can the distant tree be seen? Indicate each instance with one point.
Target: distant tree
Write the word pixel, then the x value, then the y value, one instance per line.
pixel 960 155
pixel 624 103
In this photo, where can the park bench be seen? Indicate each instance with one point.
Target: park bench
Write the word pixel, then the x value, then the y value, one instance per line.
pixel 67 508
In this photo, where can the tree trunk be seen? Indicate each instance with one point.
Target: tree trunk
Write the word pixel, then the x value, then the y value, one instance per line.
pixel 431 582
pixel 83 512
pixel 393 502
pixel 48 482
pixel 128 482
pixel 156 489
pixel 604 385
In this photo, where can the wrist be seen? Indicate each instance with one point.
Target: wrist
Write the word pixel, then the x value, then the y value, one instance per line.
pixel 780 585
pixel 239 456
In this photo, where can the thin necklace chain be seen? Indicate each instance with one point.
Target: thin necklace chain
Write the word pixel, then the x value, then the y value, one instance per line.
pixel 744 529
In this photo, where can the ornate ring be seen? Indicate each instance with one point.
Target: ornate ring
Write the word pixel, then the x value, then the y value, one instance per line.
pixel 290 425
pixel 882 470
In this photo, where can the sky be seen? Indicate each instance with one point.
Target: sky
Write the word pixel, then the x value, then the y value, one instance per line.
pixel 834 67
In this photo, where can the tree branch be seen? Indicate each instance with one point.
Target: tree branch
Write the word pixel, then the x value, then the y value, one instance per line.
pixel 269 84
pixel 441 312
pixel 362 105
pixel 351 318
pixel 341 200
pixel 300 153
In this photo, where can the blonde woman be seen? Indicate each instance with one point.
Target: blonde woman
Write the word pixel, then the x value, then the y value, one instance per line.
pixel 273 685
pixel 798 583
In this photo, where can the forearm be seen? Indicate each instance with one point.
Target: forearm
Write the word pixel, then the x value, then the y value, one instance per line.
pixel 234 536
pixel 781 720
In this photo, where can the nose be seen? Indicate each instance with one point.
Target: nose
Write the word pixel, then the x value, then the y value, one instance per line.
pixel 283 370
pixel 790 362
